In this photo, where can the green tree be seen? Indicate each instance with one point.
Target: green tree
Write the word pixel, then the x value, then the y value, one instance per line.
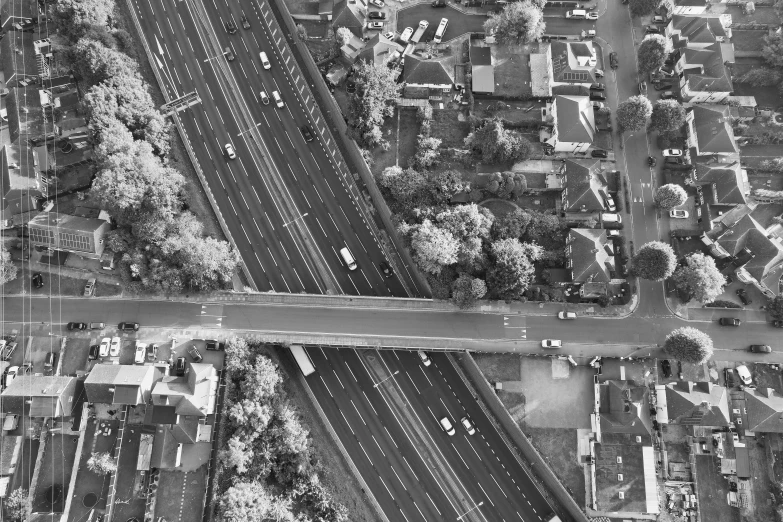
pixel 512 267
pixel 632 114
pixel 669 196
pixel 687 344
pixel 469 225
pixel 652 53
pixel 643 7
pixel 405 185
pixel 667 115
pixel 775 307
pixel 518 22
pixel 343 35
pixel 377 94
pixel 237 455
pixel 73 17
pixel 94 62
pixel 543 226
pixel 772 165
pixel 466 290
pixel 8 270
pixel 101 463
pixel 433 248
pixel 699 278
pixel 446 184
pixel 772 51
pixel 207 263
pixel 496 144
pixel 762 77
pixel 250 501
pixel 426 151
pixel 654 261
pixel 511 225
pixel 17 505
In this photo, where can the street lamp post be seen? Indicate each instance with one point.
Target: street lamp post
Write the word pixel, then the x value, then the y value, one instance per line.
pixel 471 509
pixel 386 379
pixel 295 219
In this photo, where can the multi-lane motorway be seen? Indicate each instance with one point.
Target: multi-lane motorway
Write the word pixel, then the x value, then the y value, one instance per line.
pixel 287 203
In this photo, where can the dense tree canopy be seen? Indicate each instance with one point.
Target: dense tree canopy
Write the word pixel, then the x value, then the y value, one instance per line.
pixel 775 307
pixel 632 114
pixel 654 260
pixel 652 53
pixel 404 185
pixel 518 22
pixel 466 290
pixel 496 144
pixel 446 184
pixel 94 62
pixel 8 270
pixel 669 196
pixel 688 345
pixel 667 115
pixel 643 7
pixel 699 278
pixel 512 267
pixel 377 93
pixel 433 247
pixel 74 17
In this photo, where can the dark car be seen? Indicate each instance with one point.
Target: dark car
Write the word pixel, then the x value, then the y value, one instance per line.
pixel 662 86
pixel 77 326
pixel 350 86
pixel 598 153
pixel 193 352
pixel 213 345
pixel 597 87
pixel 652 29
pixel 675 160
pixel 667 95
pixel 666 368
pixel 438 3
pixel 152 352
pixel 760 348
pixel 777 324
pixel 37 280
pixel 128 327
pixel 93 353
pixel 307 133
pixel 376 15
pixel 229 54
pixel 231 27
pixel 744 297
pixel 386 270
pixel 245 23
pixel 643 88
pixel 179 368
pixel 729 321
pixel 597 96
pixel 614 62
pixel 651 161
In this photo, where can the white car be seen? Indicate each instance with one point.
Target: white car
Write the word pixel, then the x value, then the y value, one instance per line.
pixel 678 214
pixel 425 360
pixel 374 26
pixel 264 98
pixel 445 423
pixel 406 34
pixel 598 105
pixel 592 16
pixel 551 343
pixel 103 351
pixel 278 100
pixel 468 425
pixel 744 374
pixel 230 151
pixel 10 375
pixel 390 35
pixel 562 314
pixel 265 60
pixel 114 349
pixel 377 3
pixel 141 353
pixel 423 25
pixel 672 153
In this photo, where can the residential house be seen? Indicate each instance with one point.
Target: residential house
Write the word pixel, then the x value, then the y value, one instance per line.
pixel 121 384
pixel 541 72
pixel 589 256
pixel 624 408
pixel 379 50
pixel 82 236
pixel 482 70
pixel 350 14
pixel 755 250
pixel 721 183
pixel 430 79
pixel 764 408
pixel 573 63
pixel 21 199
pixel 573 124
pixel 692 404
pixel 351 49
pixel 10 453
pixel 705 76
pixel 698 31
pixel 689 7
pixel 709 131
pixel 624 474
pixel 39 396
pixel 322 10
pixel 584 186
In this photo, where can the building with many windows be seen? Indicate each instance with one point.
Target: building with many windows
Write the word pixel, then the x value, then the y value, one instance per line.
pixel 79 235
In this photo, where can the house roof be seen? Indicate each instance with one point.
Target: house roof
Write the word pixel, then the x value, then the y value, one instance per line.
pixel 575 119
pixel 428 72
pixel 192 395
pixel 713 76
pixel 765 410
pixel 573 62
pixel 119 383
pixel 584 188
pixel 66 222
pixel 48 395
pixel 379 49
pixel 697 404
pixel 712 124
pixel 729 185
pixel 624 408
pixel 766 253
pixel 480 55
pixel 700 28
pixel 591 255
pixel 619 454
pixel 348 15
pixel 185 431
pixel 166 450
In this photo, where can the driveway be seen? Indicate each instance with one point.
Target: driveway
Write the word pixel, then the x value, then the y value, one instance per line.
pixel 459 23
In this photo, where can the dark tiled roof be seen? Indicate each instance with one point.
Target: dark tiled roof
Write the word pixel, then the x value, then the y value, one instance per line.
pixel 625 408
pixel 583 187
pixel 713 129
pixel 714 77
pixel 729 187
pixel 765 410
pixel 575 119
pixel 591 255
pixel 347 15
pixel 379 49
pixel 697 404
pixel 428 72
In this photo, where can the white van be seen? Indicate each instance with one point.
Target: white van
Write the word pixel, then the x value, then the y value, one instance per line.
pixel 348 258
pixel 278 99
pixel 444 22
pixel 265 60
pixel 608 217
pixel 744 374
pixel 577 14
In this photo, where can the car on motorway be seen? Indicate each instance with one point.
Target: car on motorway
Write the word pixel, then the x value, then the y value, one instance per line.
pixel 377 3
pixel 307 132
pixel 114 348
pixel 77 326
pixel 350 262
pixel 229 54
pixel 213 345
pixel 94 352
pixel 278 100
pixel 744 297
pixel 265 63
pixel 374 26
pixel 598 105
pixel 195 354
pixel 231 26
pixel 465 421
pixel 128 327
pixel 179 367
pixel 760 348
pixel 651 161
pixel 597 96
pixel 141 353
pixel 562 314
pixel 406 34
pixel 643 88
pixel 729 321
pixel 263 97
pixel 672 153
pixel 386 269
pixel 230 152
pixel 376 15
pixel 598 153
pixel 245 22
pixel 614 62
pixel 551 343
pixel 667 95
pixel 37 280
pixel 591 16
pixel 777 324
pixel 103 349
pixel 425 360
pixel 744 374
pixel 598 86
pixel 678 214
pixel 89 288
pixel 447 426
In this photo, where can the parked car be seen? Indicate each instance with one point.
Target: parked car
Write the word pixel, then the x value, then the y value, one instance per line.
pixel 376 15
pixel 152 352
pixel 94 352
pixel 744 374
pixel 179 368
pixel 245 22
pixel 651 161
pixel 141 353
pixel 231 27
pixel 374 26
pixel 562 314
pixel 660 86
pixel 77 326
pixel 598 105
pixel 128 327
pixel 438 3
pixel 213 345
pixel 386 269
pixel 614 62
pixel 97 326
pixel 678 214
pixel 89 288
pixel 598 153
pixel 425 360
pixel 195 354
pixel 597 96
pixel 447 426
pixel 666 368
pixel 405 36
pixel 377 3
pixel 744 297
pixel 599 73
pixel 597 86
pixel 777 324
pixel 37 280
pixel 652 29
pixel 658 19
pixel 10 422
pixel 104 348
pixel 468 425
pixel 390 35
pixel 672 153
pixel 760 348
pixel 729 321
pixel 592 16
pixel 551 343
pixel 675 160
pixel 230 152
pixel 116 344
pixel 643 88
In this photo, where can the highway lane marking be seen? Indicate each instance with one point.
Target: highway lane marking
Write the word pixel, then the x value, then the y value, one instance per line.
pixel 433 503
pixel 485 494
pixel 520 516
pixel 349 427
pixel 384 483
pixel 413 472
pixel 349 369
pixel 357 411
pixel 414 384
pixel 370 403
pixel 338 380
pixel 327 387
pixel 474 449
pixel 383 452
pixel 388 433
pixel 426 377
pixel 498 485
pixel 459 455
pixel 419 510
pixel 403 514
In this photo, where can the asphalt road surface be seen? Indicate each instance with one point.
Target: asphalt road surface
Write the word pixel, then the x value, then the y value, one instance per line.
pixel 288 220
pixel 386 407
